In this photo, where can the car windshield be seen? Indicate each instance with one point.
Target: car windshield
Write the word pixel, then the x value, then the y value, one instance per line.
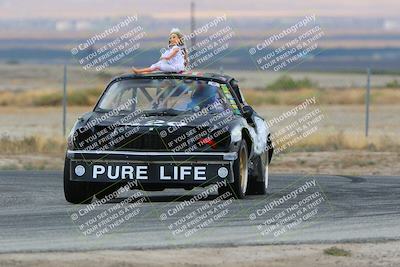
pixel 164 96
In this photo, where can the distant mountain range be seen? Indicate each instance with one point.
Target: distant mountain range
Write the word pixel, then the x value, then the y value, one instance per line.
pixel 381 60
pixel 349 43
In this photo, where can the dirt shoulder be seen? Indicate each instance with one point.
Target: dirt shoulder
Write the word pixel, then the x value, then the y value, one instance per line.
pixel 340 162
pixel 366 254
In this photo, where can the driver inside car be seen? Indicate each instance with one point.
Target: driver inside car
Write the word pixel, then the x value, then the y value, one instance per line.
pixel 203 96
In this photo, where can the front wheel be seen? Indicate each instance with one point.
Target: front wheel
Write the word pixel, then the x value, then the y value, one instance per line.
pixel 240 171
pixel 259 178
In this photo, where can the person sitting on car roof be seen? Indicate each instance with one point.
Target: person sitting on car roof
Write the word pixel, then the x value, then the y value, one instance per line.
pixel 174 59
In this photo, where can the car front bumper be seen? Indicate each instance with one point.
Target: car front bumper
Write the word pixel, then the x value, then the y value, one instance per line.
pixel 151 167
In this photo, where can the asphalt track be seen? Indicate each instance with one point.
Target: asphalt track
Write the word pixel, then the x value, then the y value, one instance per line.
pixel 35 217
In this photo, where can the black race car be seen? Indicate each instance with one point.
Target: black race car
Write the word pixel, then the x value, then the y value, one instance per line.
pixel 168 130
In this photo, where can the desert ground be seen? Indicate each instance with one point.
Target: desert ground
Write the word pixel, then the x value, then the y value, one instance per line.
pixel 327 255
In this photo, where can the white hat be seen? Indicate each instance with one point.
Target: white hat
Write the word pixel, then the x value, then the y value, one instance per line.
pixel 175 30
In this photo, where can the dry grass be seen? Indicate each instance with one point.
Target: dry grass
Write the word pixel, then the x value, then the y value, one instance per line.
pixel 316 142
pixel 351 141
pixel 84 97
pixel 88 97
pixel 32 144
pixel 335 251
pixel 349 96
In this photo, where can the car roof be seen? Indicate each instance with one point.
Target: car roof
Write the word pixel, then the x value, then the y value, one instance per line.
pixel 186 74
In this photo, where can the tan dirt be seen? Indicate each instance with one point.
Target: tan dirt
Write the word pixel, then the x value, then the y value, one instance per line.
pixel 340 162
pixel 365 254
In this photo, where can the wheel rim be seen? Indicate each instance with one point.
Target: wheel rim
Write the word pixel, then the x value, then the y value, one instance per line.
pixel 243 171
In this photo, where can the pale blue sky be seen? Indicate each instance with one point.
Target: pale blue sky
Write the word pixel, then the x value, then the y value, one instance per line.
pixel 205 8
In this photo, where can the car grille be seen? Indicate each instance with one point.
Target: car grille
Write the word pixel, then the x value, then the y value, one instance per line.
pixel 146 140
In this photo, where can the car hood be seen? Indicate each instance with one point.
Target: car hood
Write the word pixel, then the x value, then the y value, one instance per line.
pixel 216 120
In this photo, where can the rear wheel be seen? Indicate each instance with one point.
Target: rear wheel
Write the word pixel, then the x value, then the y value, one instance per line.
pixel 76 192
pixel 240 170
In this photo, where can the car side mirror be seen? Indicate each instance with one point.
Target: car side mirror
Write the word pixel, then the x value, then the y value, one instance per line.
pixel 248 112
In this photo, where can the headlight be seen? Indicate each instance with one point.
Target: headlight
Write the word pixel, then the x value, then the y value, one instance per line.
pixel 71 137
pixel 236 134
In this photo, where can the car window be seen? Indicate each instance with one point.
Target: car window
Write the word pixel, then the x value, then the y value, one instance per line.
pixel 235 86
pixel 182 95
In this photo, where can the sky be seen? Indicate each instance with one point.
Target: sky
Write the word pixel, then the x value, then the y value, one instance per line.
pixel 87 9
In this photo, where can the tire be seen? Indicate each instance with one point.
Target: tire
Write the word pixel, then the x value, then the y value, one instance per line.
pixel 76 192
pixel 105 189
pixel 258 181
pixel 240 170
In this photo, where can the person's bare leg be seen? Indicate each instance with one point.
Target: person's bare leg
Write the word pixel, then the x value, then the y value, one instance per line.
pixel 144 70
pixel 138 71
